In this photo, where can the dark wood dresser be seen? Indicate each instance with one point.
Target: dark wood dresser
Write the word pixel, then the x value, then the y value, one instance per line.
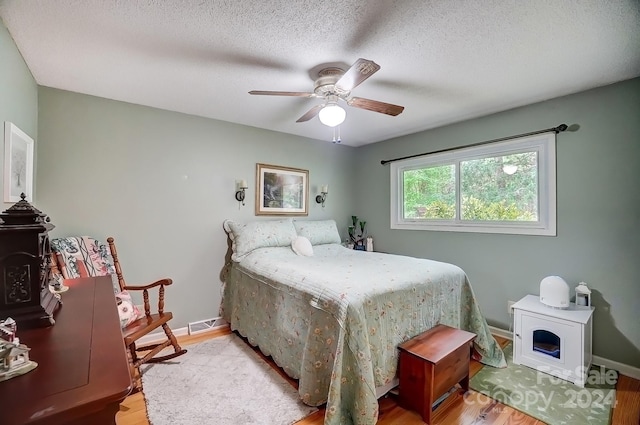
pixel 25 269
pixel 83 370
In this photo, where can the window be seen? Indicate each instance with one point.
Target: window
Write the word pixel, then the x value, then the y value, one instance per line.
pixel 503 187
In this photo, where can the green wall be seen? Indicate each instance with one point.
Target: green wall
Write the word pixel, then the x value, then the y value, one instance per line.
pixel 162 183
pixel 18 95
pixel 598 205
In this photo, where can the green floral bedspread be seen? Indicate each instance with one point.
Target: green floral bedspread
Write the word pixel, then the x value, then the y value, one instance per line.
pixel 333 320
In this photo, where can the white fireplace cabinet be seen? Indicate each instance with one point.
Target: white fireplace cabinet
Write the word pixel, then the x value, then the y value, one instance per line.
pixel 551 340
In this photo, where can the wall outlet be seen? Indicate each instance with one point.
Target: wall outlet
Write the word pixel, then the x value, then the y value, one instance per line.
pixel 510 306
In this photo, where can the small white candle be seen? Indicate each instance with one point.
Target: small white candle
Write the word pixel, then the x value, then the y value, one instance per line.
pixel 324 188
pixel 243 183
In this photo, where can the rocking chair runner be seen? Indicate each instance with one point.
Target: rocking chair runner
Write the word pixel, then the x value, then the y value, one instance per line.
pixel 79 257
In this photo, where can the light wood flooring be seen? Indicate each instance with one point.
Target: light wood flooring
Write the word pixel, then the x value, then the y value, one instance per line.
pixel 482 412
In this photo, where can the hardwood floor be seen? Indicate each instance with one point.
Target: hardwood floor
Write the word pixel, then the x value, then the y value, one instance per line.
pixel 476 410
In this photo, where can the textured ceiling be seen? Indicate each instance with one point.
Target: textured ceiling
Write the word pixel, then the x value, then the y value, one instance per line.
pixel 445 61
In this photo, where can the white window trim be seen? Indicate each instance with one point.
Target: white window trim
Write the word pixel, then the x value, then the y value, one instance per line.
pixel 544 143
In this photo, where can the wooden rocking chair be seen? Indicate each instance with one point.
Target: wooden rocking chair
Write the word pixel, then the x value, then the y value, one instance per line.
pixel 82 256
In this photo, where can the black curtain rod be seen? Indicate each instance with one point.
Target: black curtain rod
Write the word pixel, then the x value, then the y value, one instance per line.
pixel 558 129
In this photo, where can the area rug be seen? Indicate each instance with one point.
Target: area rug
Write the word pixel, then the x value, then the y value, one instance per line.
pixel 547 398
pixel 220 381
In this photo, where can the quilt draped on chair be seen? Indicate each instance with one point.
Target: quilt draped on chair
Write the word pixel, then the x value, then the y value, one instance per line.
pixel 82 256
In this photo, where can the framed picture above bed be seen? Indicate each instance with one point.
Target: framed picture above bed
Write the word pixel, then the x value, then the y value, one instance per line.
pixel 281 190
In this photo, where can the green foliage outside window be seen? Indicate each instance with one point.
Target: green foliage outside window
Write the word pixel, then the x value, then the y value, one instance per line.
pixel 430 192
pixel 503 188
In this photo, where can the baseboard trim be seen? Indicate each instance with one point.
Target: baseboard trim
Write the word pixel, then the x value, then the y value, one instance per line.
pixel 154 337
pixel 159 336
pixel 501 332
pixel 624 369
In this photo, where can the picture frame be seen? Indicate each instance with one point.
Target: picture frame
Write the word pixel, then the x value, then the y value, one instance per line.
pixel 281 190
pixel 18 164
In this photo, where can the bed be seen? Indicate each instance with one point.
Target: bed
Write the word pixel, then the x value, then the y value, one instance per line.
pixel 333 319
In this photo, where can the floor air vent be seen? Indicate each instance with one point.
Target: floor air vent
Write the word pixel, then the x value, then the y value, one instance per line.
pixel 205 325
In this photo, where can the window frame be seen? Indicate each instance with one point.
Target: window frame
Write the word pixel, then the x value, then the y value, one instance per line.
pixel 544 144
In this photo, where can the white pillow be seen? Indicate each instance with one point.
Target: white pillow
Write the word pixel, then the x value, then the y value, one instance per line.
pixel 301 246
pixel 258 234
pixel 127 310
pixel 318 231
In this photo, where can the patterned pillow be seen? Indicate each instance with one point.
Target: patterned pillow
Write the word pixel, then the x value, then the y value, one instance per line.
pixel 127 310
pixel 318 231
pixel 258 234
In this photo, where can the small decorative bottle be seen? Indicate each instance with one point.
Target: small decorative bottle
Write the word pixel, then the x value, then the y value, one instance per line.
pixel 370 244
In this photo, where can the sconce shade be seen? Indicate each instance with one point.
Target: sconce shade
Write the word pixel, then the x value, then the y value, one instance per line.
pixel 332 115
pixel 324 189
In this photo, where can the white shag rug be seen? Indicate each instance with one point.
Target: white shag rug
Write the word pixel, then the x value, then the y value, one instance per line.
pixel 220 381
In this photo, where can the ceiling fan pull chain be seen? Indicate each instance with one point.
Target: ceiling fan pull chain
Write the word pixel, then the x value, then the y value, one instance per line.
pixel 336 140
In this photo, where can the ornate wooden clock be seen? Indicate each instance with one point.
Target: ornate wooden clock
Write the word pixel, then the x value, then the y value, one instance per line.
pixel 25 266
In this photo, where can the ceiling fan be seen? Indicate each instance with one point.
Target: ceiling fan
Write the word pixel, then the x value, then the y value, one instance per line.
pixel 334 84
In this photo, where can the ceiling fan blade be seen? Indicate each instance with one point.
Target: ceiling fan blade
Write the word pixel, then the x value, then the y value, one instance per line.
pixel 311 113
pixel 359 71
pixel 375 106
pixel 282 93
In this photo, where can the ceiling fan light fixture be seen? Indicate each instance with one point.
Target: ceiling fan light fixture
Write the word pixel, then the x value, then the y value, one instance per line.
pixel 332 115
pixel 509 169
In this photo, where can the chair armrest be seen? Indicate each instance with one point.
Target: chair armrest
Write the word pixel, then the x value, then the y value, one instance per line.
pixel 145 294
pixel 161 282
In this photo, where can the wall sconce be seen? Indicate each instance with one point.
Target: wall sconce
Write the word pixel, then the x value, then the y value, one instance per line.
pixel 242 186
pixel 324 189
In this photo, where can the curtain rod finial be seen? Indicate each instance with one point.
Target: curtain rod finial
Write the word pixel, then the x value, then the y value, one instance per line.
pixel 562 127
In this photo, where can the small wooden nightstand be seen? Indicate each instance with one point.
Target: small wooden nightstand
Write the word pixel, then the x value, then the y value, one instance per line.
pixel 430 365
